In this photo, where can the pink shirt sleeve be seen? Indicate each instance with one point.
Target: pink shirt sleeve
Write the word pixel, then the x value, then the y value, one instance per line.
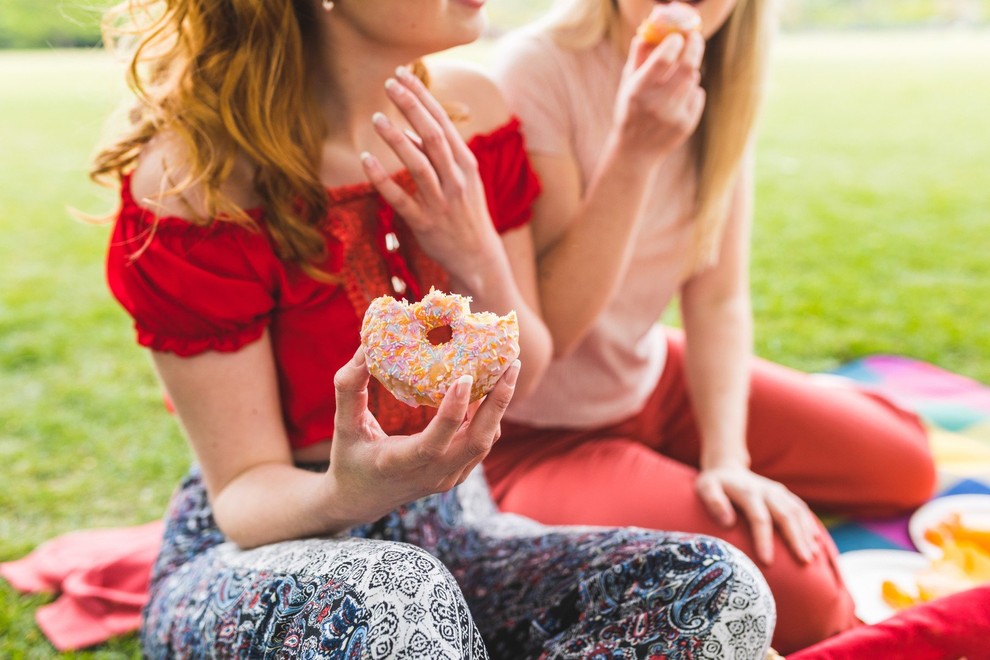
pixel 532 77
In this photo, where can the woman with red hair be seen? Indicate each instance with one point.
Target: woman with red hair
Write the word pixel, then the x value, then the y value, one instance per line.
pixel 278 174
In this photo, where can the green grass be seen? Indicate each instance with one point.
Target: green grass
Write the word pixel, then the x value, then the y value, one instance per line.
pixel 873 206
pixel 871 237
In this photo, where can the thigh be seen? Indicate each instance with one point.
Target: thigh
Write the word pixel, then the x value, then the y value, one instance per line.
pixel 326 597
pixel 617 481
pixel 605 481
pixel 837 446
pixel 330 597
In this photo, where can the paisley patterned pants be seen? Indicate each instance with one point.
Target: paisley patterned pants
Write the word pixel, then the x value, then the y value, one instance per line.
pixel 450 577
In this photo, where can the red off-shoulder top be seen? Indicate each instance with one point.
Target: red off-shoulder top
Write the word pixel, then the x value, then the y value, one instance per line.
pixel 192 289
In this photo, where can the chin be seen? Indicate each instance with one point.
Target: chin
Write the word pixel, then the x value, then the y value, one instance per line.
pixel 464 37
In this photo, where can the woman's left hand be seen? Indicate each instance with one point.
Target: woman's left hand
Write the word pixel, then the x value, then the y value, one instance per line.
pixel 448 210
pixel 765 504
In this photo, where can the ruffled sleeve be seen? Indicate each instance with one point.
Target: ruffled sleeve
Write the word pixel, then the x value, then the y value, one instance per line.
pixel 188 288
pixel 511 185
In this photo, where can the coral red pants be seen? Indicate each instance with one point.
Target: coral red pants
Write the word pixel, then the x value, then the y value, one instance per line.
pixel 839 448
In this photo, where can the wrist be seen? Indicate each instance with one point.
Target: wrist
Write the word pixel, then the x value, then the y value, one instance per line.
pixel 724 458
pixel 486 275
pixel 632 154
pixel 337 513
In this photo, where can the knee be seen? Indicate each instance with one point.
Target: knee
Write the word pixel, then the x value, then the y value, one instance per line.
pixel 724 603
pixel 912 478
pixel 404 579
pixel 812 601
pixel 745 623
pixel 920 474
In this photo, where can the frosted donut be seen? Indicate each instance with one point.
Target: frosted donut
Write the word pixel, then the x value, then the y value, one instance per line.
pixel 667 19
pixel 419 350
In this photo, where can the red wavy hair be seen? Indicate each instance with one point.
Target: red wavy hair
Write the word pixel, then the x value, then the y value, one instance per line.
pixel 229 79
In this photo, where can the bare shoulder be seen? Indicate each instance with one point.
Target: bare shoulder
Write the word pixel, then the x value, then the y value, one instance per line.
pixel 164 163
pixel 463 85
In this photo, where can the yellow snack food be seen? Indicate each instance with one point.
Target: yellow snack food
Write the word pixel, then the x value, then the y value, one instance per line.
pixel 964 564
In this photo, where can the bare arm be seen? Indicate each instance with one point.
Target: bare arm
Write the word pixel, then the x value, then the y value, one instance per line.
pixel 718 324
pixel 585 237
pixel 229 409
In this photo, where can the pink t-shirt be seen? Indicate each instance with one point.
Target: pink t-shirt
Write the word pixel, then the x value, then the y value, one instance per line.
pixel 565 99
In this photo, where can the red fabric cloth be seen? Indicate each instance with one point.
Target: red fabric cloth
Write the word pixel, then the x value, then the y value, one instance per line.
pixel 101 577
pixel 949 628
pixel 192 289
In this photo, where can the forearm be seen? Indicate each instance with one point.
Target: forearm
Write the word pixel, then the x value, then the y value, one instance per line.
pixel 579 272
pixel 493 288
pixel 277 502
pixel 717 361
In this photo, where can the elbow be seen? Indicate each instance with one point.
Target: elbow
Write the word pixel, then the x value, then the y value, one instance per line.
pixel 564 340
pixel 535 360
pixel 236 530
pixel 563 349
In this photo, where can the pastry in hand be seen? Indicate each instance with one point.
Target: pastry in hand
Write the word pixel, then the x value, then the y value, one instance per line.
pixel 417 351
pixel 666 19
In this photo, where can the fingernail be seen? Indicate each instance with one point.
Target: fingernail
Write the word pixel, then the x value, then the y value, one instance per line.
pixel 512 374
pixel 402 72
pixel 463 386
pixel 366 158
pixel 379 119
pixel 391 84
pixel 358 358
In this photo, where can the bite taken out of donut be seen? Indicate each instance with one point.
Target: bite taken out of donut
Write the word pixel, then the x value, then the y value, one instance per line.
pixel 418 350
pixel 666 19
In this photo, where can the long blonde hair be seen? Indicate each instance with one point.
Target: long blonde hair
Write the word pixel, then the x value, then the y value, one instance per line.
pixel 229 78
pixel 734 77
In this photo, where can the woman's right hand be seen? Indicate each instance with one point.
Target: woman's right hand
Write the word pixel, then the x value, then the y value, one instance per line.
pixel 660 99
pixel 373 473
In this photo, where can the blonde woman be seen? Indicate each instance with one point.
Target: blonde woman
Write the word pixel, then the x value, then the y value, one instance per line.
pixel 279 173
pixel 646 159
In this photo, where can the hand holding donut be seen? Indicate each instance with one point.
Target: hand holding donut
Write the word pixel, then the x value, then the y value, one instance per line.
pixel 448 211
pixel 660 98
pixel 375 473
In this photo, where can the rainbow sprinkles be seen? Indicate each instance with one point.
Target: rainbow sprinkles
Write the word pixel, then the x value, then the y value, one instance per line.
pixel 418 350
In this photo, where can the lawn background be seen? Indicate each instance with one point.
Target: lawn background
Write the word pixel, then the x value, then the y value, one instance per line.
pixel 871 236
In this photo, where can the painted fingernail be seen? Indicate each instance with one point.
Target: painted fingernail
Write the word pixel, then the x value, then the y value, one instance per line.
pixel 380 120
pixel 402 72
pixel 392 85
pixel 463 386
pixel 512 374
pixel 367 158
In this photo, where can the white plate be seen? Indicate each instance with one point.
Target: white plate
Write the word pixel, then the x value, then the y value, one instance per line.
pixel 865 570
pixel 974 509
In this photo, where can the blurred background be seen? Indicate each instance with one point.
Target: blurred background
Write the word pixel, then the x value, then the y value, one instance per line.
pixel 873 211
pixel 70 23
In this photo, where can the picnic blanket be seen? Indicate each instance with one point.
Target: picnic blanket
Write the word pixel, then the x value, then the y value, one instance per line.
pixel 100 576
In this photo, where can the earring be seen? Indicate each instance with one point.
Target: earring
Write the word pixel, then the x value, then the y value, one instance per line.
pixel 327 5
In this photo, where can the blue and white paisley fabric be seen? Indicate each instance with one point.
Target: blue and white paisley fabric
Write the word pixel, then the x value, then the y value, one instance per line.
pixel 449 576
